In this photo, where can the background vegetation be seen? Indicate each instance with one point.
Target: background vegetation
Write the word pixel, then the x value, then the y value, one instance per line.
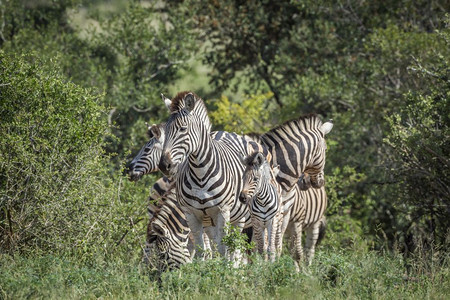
pixel 79 79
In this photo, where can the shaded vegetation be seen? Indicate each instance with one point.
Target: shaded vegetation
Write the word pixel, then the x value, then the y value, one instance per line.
pixel 74 99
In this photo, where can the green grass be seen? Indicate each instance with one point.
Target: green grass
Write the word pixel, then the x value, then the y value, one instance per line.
pixel 333 275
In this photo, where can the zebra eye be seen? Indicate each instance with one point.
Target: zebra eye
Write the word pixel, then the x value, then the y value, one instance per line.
pixel 183 129
pixel 255 179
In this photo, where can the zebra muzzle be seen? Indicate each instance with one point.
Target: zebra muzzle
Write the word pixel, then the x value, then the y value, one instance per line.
pixel 243 197
pixel 165 164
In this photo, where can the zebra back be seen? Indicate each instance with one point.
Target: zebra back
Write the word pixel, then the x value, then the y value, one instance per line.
pixel 298 146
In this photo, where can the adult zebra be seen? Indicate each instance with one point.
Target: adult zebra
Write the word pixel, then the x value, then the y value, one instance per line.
pixel 168 234
pixel 208 171
pixel 297 146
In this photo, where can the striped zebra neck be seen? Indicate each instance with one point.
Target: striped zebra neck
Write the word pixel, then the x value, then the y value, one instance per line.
pixel 171 217
pixel 267 197
pixel 157 194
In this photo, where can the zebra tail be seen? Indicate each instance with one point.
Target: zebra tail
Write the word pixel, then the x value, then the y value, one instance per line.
pixel 322 230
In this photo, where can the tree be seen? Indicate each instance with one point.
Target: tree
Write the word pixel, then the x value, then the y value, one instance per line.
pixel 419 150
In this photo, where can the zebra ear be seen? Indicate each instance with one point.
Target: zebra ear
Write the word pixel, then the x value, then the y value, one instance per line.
pixel 167 101
pixel 158 230
pixel 155 131
pixel 259 159
pixel 326 127
pixel 189 102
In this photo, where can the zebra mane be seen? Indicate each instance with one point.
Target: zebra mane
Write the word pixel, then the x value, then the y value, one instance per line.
pixel 178 101
pixel 200 109
pixel 306 122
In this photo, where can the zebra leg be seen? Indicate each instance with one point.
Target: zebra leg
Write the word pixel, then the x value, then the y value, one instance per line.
pixel 207 236
pixel 284 222
pixel 259 236
pixel 298 249
pixel 196 225
pixel 272 233
pixel 312 234
pixel 220 220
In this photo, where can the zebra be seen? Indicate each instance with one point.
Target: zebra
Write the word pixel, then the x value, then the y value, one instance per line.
pixel 146 162
pixel 303 209
pixel 262 194
pixel 168 234
pixel 307 214
pixel 298 146
pixel 208 170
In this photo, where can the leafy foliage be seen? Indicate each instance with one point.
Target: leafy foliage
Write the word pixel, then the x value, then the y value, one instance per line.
pixel 419 140
pixel 56 193
pixel 248 116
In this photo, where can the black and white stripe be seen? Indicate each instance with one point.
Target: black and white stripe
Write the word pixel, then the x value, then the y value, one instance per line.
pixel 146 161
pixel 168 234
pixel 262 194
pixel 298 147
pixel 208 169
pixel 307 214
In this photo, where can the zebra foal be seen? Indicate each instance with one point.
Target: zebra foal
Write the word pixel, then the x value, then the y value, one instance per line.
pixel 262 194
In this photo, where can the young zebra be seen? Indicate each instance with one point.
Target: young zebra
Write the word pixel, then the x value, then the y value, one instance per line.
pixel 290 145
pixel 262 194
pixel 208 170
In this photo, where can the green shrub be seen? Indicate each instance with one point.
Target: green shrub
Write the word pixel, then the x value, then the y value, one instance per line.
pixel 55 189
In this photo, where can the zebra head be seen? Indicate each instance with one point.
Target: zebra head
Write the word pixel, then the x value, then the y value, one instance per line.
pixel 148 157
pixel 166 242
pixel 257 174
pixel 315 168
pixel 184 130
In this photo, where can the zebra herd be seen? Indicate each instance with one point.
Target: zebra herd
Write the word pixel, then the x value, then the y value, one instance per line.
pixel 259 182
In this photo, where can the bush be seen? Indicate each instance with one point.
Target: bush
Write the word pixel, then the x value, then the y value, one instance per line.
pixel 55 191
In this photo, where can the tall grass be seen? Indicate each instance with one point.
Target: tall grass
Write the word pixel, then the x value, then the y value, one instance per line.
pixel 334 274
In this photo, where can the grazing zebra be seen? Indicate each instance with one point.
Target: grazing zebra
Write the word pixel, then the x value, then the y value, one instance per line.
pixel 262 194
pixel 208 170
pixel 168 234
